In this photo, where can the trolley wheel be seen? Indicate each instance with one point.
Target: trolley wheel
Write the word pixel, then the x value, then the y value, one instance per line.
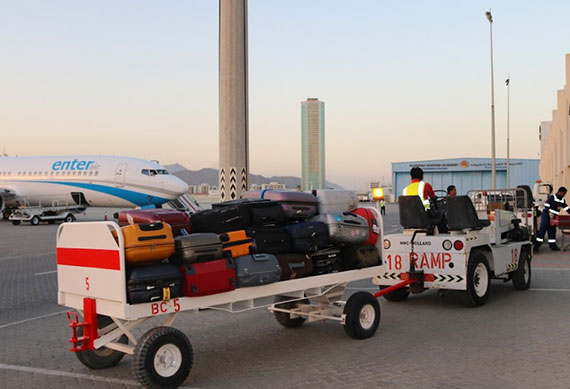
pixel 396 295
pixel 478 280
pixel 69 218
pixel 103 357
pixel 15 222
pixel 163 358
pixel 284 318
pixel 521 276
pixel 362 315
pixel 35 220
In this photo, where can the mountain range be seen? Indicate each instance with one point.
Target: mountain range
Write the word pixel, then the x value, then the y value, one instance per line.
pixel 210 176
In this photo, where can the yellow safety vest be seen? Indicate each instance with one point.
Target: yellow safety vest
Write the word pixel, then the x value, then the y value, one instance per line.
pixel 417 189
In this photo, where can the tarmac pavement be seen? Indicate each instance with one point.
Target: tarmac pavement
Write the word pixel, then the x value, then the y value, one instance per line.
pixel 516 340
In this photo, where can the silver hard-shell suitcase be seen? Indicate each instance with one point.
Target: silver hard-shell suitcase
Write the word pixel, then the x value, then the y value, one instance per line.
pixel 335 200
pixel 345 227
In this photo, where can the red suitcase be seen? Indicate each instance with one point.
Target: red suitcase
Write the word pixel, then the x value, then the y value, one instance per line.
pixel 372 224
pixel 179 221
pixel 204 278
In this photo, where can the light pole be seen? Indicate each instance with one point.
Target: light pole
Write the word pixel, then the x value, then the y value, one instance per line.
pixel 508 82
pixel 493 163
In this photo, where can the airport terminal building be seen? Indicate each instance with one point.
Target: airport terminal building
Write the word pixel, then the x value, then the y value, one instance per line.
pixel 466 173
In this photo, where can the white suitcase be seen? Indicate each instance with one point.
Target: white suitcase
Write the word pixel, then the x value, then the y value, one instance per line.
pixel 335 200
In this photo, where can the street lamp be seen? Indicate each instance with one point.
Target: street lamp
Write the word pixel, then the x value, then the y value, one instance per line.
pixel 493 163
pixel 508 82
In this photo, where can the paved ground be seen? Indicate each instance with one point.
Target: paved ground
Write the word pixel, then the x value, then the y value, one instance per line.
pixel 517 340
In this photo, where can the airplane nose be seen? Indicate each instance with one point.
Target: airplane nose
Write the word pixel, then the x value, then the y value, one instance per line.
pixel 181 187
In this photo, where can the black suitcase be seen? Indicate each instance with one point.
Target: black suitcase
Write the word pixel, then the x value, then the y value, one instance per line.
pixel 199 247
pixel 326 261
pixel 151 283
pixel 294 265
pixel 308 237
pixel 272 240
pixel 220 220
pixel 257 269
pixel 261 212
pixel 360 256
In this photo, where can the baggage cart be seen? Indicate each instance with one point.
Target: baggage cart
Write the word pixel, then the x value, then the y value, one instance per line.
pixel 91 279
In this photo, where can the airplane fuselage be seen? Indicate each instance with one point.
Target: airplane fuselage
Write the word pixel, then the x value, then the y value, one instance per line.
pixel 100 181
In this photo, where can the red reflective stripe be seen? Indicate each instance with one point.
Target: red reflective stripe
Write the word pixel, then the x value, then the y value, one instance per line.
pixel 102 259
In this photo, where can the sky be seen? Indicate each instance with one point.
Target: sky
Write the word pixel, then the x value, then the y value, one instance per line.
pixel 401 81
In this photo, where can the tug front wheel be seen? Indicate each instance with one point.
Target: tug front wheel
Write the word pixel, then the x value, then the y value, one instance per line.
pixel 521 276
pixel 362 315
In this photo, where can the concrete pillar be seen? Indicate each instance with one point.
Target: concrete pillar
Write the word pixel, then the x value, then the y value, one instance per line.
pixel 233 103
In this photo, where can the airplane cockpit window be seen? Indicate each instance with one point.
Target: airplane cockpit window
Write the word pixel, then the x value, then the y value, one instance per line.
pixel 153 172
pixel 145 172
pixel 162 171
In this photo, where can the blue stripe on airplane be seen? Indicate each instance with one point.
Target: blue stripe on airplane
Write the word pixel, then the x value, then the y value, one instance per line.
pixel 129 195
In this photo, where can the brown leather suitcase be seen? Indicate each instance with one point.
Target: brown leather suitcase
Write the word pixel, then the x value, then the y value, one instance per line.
pixel 295 265
pixel 147 242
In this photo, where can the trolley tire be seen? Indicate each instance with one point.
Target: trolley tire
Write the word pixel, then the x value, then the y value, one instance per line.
pixel 396 295
pixel 103 357
pixel 16 222
pixel 69 218
pixel 163 358
pixel 522 276
pixel 362 318
pixel 35 221
pixel 284 318
pixel 478 280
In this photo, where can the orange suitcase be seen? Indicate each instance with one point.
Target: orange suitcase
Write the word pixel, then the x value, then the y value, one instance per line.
pixel 147 242
pixel 238 243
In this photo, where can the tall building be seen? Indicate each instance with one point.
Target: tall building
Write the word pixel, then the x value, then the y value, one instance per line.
pixel 313 144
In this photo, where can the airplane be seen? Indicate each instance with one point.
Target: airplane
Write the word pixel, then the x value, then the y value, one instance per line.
pixel 85 180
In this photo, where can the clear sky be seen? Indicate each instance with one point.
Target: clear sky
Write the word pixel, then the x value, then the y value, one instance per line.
pixel 400 80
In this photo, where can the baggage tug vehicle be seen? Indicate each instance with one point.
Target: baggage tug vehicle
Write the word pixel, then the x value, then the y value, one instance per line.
pixel 466 258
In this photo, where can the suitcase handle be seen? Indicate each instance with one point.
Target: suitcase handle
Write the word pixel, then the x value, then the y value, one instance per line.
pixel 260 257
pixel 296 265
pixel 151 226
pixel 152 237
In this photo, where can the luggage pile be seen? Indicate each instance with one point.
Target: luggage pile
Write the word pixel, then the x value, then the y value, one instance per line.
pixel 265 237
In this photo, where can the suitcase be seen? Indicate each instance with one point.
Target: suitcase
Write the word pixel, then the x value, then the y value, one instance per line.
pixel 147 242
pixel 178 221
pixel 205 278
pixel 360 256
pixel 296 205
pixel 334 200
pixel 308 237
pixel 230 218
pixel 345 227
pixel 272 240
pixel 257 269
pixel 199 247
pixel 236 243
pixel 155 282
pixel 373 228
pixel 261 212
pixel 326 261
pixel 294 265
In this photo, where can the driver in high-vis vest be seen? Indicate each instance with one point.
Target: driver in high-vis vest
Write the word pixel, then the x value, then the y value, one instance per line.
pixel 418 187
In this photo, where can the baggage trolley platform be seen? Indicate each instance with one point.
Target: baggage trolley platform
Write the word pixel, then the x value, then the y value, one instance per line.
pixel 92 280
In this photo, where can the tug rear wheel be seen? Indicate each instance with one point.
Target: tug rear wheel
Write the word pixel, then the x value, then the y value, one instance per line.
pixel 478 280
